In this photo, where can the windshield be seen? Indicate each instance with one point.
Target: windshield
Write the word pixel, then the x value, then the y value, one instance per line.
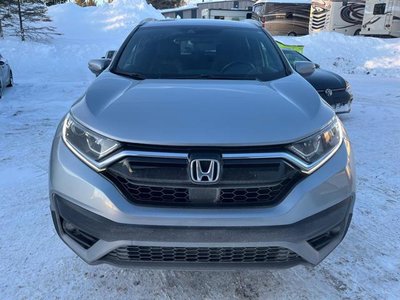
pixel 188 52
pixel 294 56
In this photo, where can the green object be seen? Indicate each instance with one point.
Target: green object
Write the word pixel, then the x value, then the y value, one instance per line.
pixel 298 48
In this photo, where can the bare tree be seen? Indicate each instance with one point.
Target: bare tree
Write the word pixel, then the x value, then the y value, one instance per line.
pixel 27 19
pixel 163 4
pixel 21 27
pixel 54 2
pixel 6 18
pixel 84 3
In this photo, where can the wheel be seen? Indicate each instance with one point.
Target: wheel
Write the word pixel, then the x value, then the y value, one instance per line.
pixel 11 82
pixel 292 33
pixel 357 32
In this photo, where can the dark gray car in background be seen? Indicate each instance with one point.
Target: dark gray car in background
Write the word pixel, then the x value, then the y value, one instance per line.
pixel 200 147
pixel 6 75
pixel 332 87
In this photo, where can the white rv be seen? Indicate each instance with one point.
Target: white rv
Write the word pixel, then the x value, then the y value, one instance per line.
pixel 283 17
pixel 337 15
pixel 381 18
pixel 225 14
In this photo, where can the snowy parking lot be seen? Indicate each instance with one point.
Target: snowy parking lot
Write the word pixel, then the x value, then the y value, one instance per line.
pixel 34 262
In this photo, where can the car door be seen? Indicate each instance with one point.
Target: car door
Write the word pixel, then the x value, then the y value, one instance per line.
pixel 3 70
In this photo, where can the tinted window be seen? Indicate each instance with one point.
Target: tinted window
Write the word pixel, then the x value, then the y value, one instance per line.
pixel 294 56
pixel 379 9
pixel 201 52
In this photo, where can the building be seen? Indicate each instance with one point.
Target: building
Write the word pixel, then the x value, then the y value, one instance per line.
pixel 194 11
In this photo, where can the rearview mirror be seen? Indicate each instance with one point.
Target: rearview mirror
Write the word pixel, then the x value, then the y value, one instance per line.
pixel 304 68
pixel 98 65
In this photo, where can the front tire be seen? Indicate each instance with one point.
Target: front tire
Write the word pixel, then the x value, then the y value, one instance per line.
pixel 292 33
pixel 11 82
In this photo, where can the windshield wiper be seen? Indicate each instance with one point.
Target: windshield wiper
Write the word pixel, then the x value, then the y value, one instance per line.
pixel 232 77
pixel 133 75
pixel 214 76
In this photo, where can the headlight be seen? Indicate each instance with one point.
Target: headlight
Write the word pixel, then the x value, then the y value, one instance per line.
pixel 87 143
pixel 348 86
pixel 320 145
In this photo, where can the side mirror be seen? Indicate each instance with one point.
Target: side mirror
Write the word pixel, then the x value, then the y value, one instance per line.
pixel 110 54
pixel 317 66
pixel 304 68
pixel 98 65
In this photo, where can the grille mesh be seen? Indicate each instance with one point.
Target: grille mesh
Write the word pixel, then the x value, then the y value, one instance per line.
pixel 152 194
pixel 262 195
pixel 180 196
pixel 202 255
pixel 167 182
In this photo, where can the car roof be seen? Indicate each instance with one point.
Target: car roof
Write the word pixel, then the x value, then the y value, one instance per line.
pixel 201 22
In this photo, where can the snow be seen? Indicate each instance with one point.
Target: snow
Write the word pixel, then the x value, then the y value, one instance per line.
pixel 35 263
pixel 351 55
pixel 180 8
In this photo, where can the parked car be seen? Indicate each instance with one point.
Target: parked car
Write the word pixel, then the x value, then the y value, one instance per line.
pixel 330 86
pixel 6 75
pixel 198 146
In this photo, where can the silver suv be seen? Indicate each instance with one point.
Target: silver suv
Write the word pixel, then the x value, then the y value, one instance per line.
pixel 198 146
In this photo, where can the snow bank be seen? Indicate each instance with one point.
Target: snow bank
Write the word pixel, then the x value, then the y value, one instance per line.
pixel 351 54
pixel 107 21
pixel 87 33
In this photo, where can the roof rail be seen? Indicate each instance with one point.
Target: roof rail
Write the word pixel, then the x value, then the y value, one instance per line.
pixel 147 20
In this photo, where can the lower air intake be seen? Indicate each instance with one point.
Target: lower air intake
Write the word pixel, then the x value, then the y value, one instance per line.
pixel 202 255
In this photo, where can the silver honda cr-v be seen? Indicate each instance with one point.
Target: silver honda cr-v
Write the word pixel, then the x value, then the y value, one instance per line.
pixel 198 146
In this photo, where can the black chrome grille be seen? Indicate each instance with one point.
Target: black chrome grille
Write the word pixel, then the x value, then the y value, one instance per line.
pixel 202 255
pixel 152 194
pixel 167 182
pixel 263 195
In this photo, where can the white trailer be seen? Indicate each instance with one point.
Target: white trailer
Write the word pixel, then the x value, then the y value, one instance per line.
pixel 337 15
pixel 381 18
pixel 225 14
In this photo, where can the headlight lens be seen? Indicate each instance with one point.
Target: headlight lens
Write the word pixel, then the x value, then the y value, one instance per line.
pixel 316 147
pixel 348 86
pixel 88 143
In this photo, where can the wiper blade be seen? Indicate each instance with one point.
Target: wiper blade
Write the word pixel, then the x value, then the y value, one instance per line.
pixel 133 75
pixel 215 76
pixel 231 77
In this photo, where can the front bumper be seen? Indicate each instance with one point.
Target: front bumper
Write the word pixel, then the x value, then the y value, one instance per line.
pixel 307 241
pixel 340 100
pixel 317 210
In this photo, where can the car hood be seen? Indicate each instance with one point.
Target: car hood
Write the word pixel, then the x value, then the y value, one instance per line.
pixel 202 112
pixel 322 79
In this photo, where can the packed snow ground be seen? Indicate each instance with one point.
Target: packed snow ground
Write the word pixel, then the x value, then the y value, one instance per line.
pixel 34 263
